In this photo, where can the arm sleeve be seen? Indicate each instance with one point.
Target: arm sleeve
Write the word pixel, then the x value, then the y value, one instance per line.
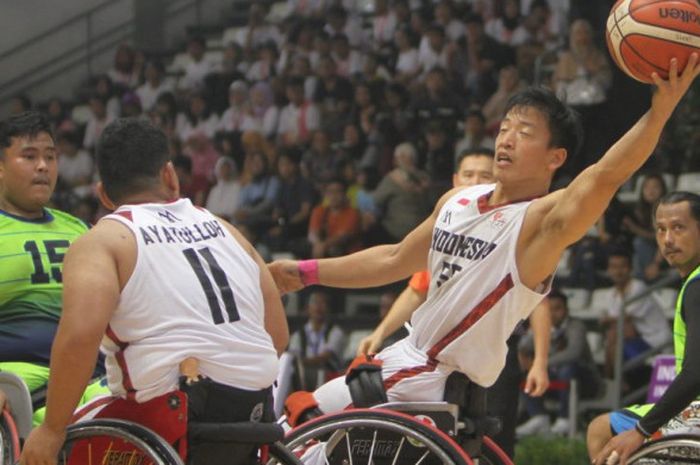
pixel 686 387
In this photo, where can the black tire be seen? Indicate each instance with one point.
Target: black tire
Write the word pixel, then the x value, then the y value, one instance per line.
pixel 153 449
pixel 678 449
pixel 376 436
pixel 280 454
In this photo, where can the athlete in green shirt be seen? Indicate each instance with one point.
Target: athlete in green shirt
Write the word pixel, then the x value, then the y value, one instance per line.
pixel 33 242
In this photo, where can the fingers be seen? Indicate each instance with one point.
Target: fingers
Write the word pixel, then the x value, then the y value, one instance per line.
pixel 673 72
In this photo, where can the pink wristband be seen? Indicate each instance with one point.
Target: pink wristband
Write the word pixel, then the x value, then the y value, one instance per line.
pixel 308 272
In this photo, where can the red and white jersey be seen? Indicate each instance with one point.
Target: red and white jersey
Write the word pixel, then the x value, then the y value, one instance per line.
pixel 194 292
pixel 476 298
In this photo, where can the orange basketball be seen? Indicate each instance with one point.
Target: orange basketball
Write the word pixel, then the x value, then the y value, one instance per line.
pixel 643 35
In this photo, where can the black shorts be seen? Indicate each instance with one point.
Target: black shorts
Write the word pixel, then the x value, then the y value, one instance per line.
pixel 211 402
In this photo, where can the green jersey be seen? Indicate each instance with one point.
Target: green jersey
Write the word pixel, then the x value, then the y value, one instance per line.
pixel 31 263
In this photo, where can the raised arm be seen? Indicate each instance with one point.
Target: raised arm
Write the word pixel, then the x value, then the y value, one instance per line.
pixel 563 217
pixel 371 267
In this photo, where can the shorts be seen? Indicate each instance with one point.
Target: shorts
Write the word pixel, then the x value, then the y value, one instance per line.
pixel 408 376
pixel 688 421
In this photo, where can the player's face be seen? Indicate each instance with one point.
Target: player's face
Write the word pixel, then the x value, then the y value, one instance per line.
pixel 523 154
pixel 678 236
pixel 473 170
pixel 28 172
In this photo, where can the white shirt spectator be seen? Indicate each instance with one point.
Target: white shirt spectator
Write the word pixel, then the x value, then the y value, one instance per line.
pixel 195 72
pixel 429 58
pixel 184 128
pixel 408 62
pixel 349 66
pixel 299 122
pixel 383 28
pixel 73 169
pixel 261 34
pixel 94 129
pixel 648 318
pixel 149 94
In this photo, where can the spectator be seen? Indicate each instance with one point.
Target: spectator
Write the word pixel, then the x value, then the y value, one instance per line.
pixel 264 113
pixel 484 55
pixel 509 83
pixel 237 118
pixel 338 23
pixel 200 149
pixel 254 213
pixel 252 143
pixel 155 84
pixel 224 196
pixel 319 344
pixel 645 326
pixel 582 78
pixel 640 225
pixel 334 227
pixel 265 66
pixel 474 133
pixel 292 207
pixel 20 103
pixel 99 118
pixel 384 23
pixel 320 163
pixel 104 88
pixel 130 105
pixel 401 197
pixel 439 160
pixel 75 166
pixel 197 118
pixel 502 27
pixel 348 61
pixel 454 29
pixel 59 116
pixel 407 64
pixel 353 145
pixel 299 118
pixel 438 102
pixel 257 30
pixel 126 71
pixel 569 359
pixel 198 67
pixel 433 51
pixel 333 93
pixel 301 68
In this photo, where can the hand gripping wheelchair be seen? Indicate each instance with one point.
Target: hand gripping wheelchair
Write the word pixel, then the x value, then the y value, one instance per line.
pixel 452 432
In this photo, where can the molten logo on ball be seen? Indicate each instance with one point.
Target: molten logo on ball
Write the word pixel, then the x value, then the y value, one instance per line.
pixel 683 15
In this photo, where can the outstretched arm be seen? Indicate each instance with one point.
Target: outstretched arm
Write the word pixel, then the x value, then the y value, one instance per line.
pixel 557 223
pixel 371 267
pixel 589 194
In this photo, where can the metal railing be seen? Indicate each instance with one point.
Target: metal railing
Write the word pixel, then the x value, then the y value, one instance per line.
pixel 82 54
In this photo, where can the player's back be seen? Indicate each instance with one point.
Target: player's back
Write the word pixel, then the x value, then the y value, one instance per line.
pixel 194 292
pixel 31 263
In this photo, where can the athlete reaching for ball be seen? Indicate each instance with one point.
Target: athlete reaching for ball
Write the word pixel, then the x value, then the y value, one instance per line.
pixel 492 249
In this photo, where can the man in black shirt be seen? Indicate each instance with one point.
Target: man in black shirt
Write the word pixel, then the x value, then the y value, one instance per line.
pixel 677 224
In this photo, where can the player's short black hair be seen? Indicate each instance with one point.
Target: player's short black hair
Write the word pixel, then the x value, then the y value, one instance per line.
pixel 130 154
pixel 681 196
pixel 473 152
pixel 564 122
pixel 25 124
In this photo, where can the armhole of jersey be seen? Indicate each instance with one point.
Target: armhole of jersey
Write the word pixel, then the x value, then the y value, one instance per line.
pixel 692 281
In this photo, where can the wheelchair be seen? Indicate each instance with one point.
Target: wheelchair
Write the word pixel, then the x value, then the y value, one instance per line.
pixel 452 432
pixel 674 449
pixel 126 441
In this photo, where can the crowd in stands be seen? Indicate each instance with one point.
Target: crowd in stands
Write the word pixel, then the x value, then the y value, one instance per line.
pixel 331 129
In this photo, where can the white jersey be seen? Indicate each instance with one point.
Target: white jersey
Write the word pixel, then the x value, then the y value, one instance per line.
pixel 476 298
pixel 194 292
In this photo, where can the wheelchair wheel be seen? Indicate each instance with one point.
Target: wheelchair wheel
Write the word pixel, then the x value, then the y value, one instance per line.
pixel 9 440
pixel 107 441
pixel 373 436
pixel 678 449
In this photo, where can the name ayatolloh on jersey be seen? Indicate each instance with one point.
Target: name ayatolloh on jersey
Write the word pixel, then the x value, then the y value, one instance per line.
pixel 198 232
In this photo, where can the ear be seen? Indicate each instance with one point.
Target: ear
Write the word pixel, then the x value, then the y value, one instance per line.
pixel 169 178
pixel 557 158
pixel 104 198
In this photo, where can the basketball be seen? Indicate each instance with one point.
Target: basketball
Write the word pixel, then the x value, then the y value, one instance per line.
pixel 643 35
